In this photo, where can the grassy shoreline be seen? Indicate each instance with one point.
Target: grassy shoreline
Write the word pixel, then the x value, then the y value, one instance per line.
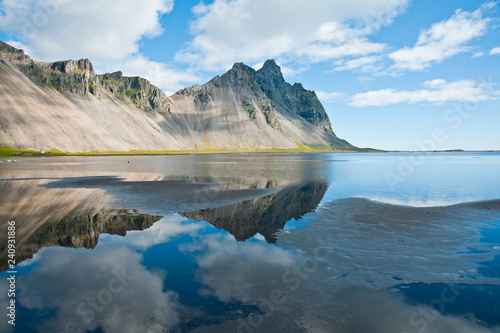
pixel 13 152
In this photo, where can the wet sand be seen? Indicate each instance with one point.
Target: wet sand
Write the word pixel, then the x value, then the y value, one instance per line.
pixel 162 196
pixel 358 256
pixel 375 245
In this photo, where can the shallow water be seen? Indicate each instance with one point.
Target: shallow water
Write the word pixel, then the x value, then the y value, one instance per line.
pixel 254 243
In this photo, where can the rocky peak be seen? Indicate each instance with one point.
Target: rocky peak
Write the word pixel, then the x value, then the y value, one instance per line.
pixel 271 67
pixel 271 80
pixel 72 65
pixel 294 98
pixel 241 68
pixel 13 55
pixel 9 49
pixel 115 75
pixel 239 74
pixel 78 77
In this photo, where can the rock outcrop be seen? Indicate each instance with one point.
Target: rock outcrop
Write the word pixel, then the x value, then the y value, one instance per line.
pixel 138 90
pixel 66 106
pixel 293 99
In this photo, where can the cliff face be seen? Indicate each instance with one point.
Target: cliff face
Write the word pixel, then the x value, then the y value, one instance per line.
pixel 65 105
pixel 292 99
pixel 64 76
pixel 13 55
pixel 269 111
pixel 78 77
pixel 139 91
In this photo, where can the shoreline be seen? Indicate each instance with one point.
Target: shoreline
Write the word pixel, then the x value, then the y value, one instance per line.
pixel 13 152
pixel 6 152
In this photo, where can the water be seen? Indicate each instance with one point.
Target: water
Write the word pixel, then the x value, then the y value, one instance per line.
pixel 385 242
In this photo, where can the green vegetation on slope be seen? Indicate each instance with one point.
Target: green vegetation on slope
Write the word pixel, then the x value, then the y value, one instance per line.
pixel 8 151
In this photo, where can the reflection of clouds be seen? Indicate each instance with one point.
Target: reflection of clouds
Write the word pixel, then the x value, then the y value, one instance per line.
pixel 240 271
pixel 380 311
pixel 106 287
pixel 415 202
pixel 160 232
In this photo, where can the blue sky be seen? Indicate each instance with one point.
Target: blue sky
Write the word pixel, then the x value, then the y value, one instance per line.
pixel 392 74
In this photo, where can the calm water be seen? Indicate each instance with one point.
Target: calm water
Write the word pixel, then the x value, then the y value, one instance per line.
pixel 389 242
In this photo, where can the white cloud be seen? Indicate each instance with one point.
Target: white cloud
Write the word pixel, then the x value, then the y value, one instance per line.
pixel 363 64
pixel 442 40
pixel 253 31
pixel 106 32
pixel 323 51
pixel 438 91
pixel 329 96
pixel 495 50
pixel 117 279
pixel 99 30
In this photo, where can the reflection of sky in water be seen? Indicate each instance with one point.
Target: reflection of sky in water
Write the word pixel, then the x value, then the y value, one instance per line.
pixel 178 272
pixel 189 274
pixel 439 179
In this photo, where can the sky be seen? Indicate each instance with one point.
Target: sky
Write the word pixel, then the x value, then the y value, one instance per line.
pixel 391 74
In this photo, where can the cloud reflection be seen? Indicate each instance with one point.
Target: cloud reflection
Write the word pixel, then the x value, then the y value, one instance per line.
pixel 382 311
pixel 240 271
pixel 107 287
pixel 160 232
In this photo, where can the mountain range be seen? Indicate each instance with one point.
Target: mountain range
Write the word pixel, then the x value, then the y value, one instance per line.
pixel 65 106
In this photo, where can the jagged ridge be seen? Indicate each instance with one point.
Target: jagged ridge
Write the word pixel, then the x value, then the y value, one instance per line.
pixel 294 99
pixel 242 109
pixel 292 111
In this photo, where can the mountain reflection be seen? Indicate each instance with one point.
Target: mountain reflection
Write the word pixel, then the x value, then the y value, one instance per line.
pixel 52 214
pixel 82 230
pixel 264 215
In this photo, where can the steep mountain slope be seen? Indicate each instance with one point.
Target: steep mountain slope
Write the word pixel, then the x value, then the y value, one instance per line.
pixel 292 100
pixel 65 105
pixel 62 106
pixel 259 107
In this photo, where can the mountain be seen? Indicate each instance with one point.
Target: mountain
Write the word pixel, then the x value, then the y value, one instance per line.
pixel 255 109
pixel 65 105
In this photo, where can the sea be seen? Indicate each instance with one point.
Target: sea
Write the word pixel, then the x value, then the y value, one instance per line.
pixel 251 242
